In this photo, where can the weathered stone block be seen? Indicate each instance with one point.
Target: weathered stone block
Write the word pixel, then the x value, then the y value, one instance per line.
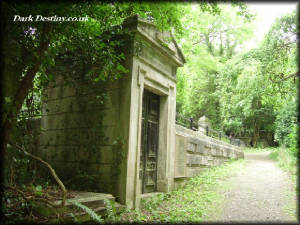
pixel 189 172
pixel 197 160
pixel 194 160
pixel 204 161
pixel 227 152
pixel 107 155
pixel 208 151
pixel 194 140
pixel 207 145
pixel 180 156
pixel 230 153
pixel 234 155
pixel 217 152
pixel 216 161
pixel 213 151
pixel 187 159
pixel 191 147
pixel 200 147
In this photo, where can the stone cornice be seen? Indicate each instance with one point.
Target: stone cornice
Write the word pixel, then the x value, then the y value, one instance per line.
pixel 153 37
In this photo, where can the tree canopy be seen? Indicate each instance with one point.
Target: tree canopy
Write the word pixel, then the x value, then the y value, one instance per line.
pixel 243 92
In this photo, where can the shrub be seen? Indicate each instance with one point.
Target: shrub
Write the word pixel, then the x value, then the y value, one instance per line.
pixel 293 141
pixel 286 120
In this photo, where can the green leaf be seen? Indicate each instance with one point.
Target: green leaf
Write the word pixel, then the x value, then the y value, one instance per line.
pixel 38 188
pixel 7 100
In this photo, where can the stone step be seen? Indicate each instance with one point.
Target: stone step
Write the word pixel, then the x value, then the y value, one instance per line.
pixel 93 200
pixel 89 199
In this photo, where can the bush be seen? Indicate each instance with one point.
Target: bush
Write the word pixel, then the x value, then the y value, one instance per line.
pixel 286 160
pixel 285 123
pixel 293 141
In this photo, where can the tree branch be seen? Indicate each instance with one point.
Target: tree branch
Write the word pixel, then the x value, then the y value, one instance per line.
pixel 297 74
pixel 32 198
pixel 53 173
pixel 17 190
pixel 25 85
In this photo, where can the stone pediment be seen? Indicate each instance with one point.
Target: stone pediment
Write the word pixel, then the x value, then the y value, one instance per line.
pixel 165 41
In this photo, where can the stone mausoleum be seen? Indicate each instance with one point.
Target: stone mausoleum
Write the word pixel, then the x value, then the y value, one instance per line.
pixel 139 149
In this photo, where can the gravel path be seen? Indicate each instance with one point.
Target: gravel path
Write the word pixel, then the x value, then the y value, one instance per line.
pixel 260 193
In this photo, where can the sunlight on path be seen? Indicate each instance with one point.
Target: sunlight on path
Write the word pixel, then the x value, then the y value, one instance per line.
pixel 260 193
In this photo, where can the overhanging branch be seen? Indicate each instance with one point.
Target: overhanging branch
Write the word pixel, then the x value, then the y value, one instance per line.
pixel 297 74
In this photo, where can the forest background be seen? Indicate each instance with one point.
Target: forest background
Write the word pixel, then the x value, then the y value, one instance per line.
pixel 251 94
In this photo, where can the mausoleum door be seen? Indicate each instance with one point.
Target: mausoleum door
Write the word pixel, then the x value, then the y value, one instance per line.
pixel 149 142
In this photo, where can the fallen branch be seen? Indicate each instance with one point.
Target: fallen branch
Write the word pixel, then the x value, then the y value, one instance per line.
pixel 17 190
pixel 60 183
pixel 30 198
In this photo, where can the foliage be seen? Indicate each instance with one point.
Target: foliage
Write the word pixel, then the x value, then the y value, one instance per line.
pixel 208 44
pixel 279 50
pixel 193 202
pixel 286 161
pixel 285 122
pixel 280 53
pixel 293 142
pixel 111 211
pixel 23 203
pixel 244 93
pixel 89 211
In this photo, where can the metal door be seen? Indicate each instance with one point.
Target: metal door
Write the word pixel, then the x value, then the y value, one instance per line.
pixel 149 142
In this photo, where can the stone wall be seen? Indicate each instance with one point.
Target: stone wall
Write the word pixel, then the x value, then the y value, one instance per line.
pixel 78 135
pixel 196 152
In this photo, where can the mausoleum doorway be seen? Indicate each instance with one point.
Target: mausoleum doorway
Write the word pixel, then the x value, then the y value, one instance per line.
pixel 149 142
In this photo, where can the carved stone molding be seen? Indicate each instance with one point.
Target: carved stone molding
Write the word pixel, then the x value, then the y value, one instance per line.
pixel 138 48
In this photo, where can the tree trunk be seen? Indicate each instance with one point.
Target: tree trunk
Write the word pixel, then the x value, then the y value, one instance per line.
pixel 25 85
pixel 255 135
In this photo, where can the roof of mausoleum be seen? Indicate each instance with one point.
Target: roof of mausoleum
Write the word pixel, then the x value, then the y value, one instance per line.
pixel 164 40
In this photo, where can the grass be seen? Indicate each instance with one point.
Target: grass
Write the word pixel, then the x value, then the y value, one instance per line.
pixel 194 202
pixel 285 160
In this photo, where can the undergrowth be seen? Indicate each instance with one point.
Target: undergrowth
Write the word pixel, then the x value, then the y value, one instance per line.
pixel 193 202
pixel 286 160
pixel 95 217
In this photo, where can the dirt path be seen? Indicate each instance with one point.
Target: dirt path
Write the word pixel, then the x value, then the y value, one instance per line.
pixel 262 192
